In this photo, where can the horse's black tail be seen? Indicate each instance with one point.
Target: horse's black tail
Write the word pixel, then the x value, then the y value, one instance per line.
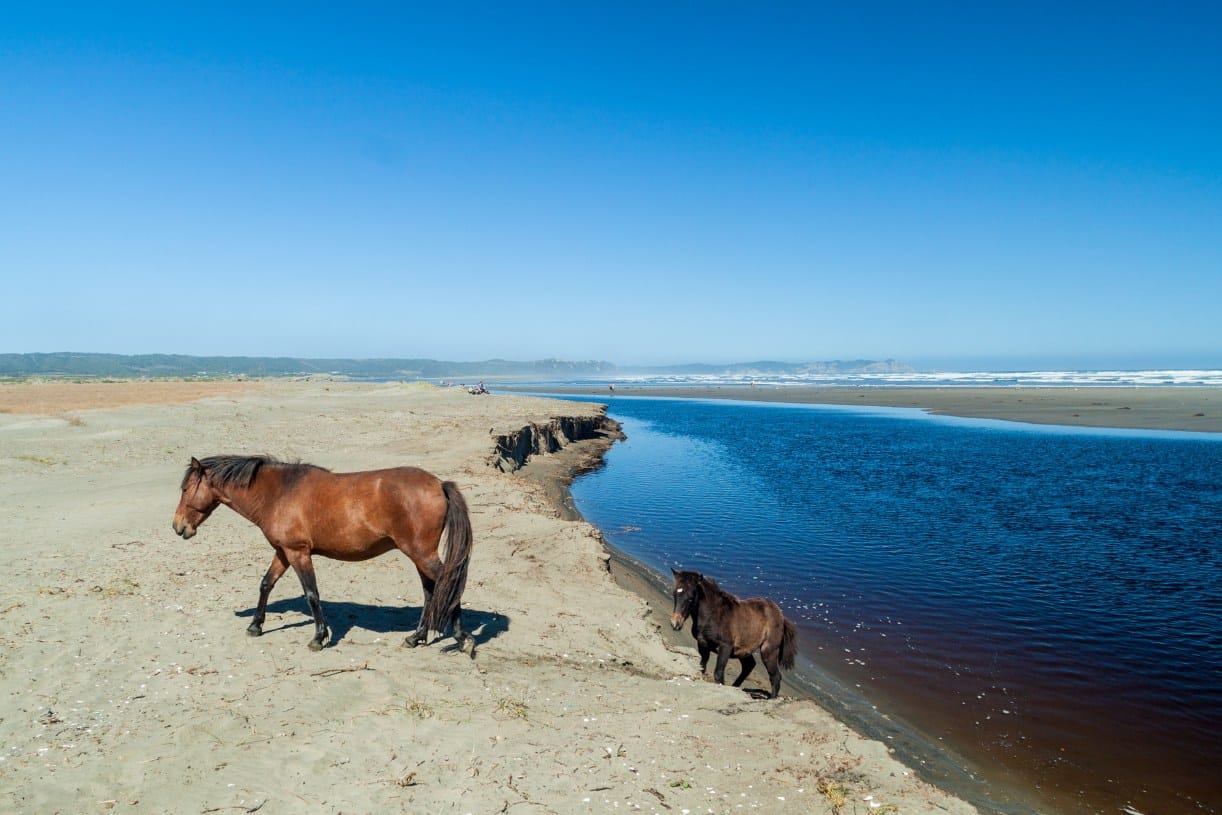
pixel 789 646
pixel 447 591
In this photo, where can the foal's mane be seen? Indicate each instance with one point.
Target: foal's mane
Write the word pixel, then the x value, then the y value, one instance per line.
pixel 707 584
pixel 240 471
pixel 710 588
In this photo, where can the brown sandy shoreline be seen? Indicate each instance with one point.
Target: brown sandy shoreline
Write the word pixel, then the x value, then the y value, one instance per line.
pixel 1151 408
pixel 935 763
pixel 130 685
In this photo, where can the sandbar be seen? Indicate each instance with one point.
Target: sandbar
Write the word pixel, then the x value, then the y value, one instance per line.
pixel 1150 407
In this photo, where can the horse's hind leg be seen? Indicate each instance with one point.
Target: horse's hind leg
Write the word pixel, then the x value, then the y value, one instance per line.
pixel 466 642
pixel 772 658
pixel 748 663
pixel 421 635
pixel 304 567
pixel 723 659
pixel 279 564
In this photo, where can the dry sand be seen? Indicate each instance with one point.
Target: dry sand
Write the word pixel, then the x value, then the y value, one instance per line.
pixel 61 398
pixel 129 684
pixel 1153 408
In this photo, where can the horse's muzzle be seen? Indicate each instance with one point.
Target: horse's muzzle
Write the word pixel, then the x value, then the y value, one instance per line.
pixel 676 622
pixel 184 530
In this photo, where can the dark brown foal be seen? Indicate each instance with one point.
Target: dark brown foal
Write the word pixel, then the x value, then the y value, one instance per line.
pixel 730 627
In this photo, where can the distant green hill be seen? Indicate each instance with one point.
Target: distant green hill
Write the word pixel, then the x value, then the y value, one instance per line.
pixel 69 364
pixel 176 365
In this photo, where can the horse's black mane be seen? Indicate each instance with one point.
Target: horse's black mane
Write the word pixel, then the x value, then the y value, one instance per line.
pixel 240 471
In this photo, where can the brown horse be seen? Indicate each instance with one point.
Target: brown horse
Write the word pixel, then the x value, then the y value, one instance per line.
pixel 731 627
pixel 305 510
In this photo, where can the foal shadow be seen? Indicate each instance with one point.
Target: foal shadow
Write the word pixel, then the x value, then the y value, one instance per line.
pixel 343 616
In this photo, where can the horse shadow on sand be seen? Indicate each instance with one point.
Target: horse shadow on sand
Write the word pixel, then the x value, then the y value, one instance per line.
pixel 342 616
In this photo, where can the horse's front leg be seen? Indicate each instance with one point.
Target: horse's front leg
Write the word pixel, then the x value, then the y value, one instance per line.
pixel 304 566
pixel 279 564
pixel 705 650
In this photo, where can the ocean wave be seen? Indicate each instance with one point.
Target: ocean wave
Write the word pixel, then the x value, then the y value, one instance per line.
pixel 992 379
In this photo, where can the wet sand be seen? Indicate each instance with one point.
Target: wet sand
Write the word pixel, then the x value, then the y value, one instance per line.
pixel 1153 408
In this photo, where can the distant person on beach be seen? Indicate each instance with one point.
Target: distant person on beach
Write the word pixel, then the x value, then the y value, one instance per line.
pixel 611 388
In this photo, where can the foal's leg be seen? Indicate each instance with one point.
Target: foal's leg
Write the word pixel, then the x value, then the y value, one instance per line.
pixel 772 659
pixel 304 566
pixel 704 655
pixel 723 659
pixel 279 564
pixel 748 663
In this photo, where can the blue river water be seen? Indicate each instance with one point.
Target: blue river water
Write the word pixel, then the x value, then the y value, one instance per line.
pixel 1044 602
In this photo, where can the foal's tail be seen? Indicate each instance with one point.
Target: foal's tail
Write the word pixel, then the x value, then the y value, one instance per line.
pixel 789 647
pixel 447 592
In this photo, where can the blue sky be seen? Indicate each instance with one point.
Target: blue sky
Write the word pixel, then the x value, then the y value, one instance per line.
pixel 953 185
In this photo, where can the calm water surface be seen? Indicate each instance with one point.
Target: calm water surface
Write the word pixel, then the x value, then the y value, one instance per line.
pixel 1045 603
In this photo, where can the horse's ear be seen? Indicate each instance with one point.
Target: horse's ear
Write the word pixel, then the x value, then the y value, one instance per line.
pixel 195 465
pixel 672 571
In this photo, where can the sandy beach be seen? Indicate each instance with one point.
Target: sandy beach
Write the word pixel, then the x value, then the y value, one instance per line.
pixel 1152 408
pixel 130 685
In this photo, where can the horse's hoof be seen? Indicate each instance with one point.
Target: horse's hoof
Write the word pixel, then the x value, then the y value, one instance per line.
pixel 412 641
pixel 315 645
pixel 254 631
pixel 467 646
